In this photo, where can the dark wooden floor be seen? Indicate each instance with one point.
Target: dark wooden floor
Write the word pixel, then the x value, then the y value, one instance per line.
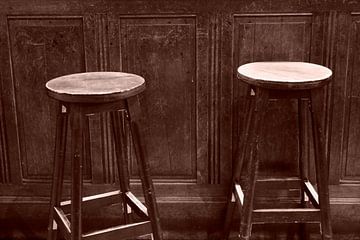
pixel 36 230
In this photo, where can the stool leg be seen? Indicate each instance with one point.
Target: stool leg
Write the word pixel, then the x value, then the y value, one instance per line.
pixel 143 165
pixel 302 136
pixel 239 160
pixel 146 183
pixel 76 126
pixel 122 161
pixel 261 100
pixel 322 170
pixel 58 173
pixel 302 117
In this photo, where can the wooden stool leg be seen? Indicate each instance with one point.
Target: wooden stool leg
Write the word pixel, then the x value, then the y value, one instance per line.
pixel 146 183
pixel 261 100
pixel 58 174
pixel 322 170
pixel 302 120
pixel 121 144
pixel 76 126
pixel 302 136
pixel 239 160
pixel 133 108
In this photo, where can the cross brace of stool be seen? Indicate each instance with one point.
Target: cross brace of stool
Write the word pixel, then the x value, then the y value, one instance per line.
pixel 105 199
pixel 283 215
pixel 121 123
pixel 256 106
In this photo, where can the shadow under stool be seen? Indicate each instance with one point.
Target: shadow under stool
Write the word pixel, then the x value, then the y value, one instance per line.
pixel 277 80
pixel 79 95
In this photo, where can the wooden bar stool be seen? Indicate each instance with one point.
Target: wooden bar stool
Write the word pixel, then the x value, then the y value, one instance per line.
pixel 274 80
pixel 87 93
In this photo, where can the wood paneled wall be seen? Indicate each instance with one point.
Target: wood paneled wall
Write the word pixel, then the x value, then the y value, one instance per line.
pixel 188 52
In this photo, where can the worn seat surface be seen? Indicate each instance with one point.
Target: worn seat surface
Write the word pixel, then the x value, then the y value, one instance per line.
pixel 95 86
pixel 284 75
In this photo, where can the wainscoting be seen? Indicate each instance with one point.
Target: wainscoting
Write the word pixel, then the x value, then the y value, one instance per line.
pixel 188 52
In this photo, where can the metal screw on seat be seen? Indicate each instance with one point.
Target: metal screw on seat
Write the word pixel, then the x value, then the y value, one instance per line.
pixel 94 92
pixel 274 80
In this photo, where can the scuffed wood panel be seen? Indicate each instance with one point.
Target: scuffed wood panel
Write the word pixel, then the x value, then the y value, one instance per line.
pixel 163 51
pixel 272 37
pixel 40 48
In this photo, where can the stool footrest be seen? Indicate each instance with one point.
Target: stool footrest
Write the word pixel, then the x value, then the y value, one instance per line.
pixel 121 232
pixel 311 193
pixel 278 183
pixel 289 215
pixel 105 199
pixel 62 222
pixel 239 194
pixel 102 199
pixel 136 205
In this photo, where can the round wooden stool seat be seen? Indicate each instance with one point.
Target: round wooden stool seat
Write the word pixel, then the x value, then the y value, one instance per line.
pixel 95 87
pixel 284 75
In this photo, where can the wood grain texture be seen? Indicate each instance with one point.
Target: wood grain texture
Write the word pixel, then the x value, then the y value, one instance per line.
pixel 41 48
pixel 351 164
pixel 228 117
pixel 163 51
pixel 223 33
pixel 95 87
pixel 292 75
pixel 344 147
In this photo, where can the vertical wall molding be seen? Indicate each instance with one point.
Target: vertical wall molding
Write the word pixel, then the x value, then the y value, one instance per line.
pixel 4 164
pixel 102 41
pixel 215 31
pixel 102 144
pixel 329 21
